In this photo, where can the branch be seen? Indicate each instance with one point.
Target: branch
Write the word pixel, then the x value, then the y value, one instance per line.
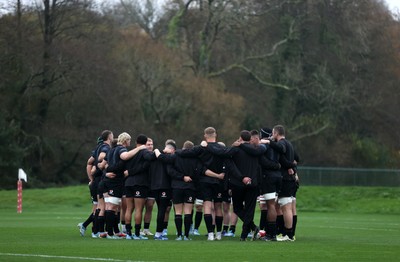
pixel 315 132
pixel 248 70
pixel 273 50
pixel 243 67
pixel 59 94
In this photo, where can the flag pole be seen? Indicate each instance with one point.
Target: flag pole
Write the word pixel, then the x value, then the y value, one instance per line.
pixel 19 201
pixel 21 176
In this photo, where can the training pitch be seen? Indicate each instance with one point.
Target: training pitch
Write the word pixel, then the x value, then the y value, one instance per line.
pixel 49 233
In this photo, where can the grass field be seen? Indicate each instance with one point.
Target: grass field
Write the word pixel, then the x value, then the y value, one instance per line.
pixel 366 229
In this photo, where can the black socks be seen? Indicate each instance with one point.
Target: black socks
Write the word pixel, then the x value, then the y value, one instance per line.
pixel 178 224
pixel 263 219
pixel 197 219
pixel 208 221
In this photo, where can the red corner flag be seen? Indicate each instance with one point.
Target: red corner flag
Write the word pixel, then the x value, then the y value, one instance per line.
pixel 21 176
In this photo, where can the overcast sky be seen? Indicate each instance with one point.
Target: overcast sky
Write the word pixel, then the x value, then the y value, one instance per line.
pixel 394 5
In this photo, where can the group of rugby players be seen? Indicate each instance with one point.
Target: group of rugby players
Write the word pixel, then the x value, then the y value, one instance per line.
pixel 258 167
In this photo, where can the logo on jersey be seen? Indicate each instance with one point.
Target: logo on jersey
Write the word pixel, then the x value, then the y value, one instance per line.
pixel 111 192
pixel 163 194
pixel 219 195
pixel 137 193
pixel 190 199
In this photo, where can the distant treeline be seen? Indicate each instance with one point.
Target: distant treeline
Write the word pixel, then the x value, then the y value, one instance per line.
pixel 327 70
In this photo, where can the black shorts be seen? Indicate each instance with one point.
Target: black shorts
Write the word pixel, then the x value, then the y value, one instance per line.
pixel 199 194
pixel 100 189
pixel 226 197
pixel 211 192
pixel 163 194
pixel 113 189
pixel 288 188
pixel 137 191
pixel 271 183
pixel 223 194
pixel 94 188
pixel 151 195
pixel 180 196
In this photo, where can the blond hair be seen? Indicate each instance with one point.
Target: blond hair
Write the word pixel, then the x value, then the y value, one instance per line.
pixel 123 137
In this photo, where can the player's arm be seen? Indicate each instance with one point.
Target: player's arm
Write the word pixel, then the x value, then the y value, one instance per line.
pixel 277 146
pixel 175 174
pixel 89 166
pixel 190 153
pixel 286 163
pixel 221 151
pixel 100 161
pixel 165 158
pixel 253 150
pixel 128 155
pixel 210 173
pixel 269 164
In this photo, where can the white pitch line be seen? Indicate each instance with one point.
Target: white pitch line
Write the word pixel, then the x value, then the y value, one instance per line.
pixel 67 257
pixel 359 228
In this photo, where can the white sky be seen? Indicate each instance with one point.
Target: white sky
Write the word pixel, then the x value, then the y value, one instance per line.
pixel 393 4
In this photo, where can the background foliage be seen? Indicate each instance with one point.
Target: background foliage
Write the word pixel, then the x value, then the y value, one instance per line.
pixel 327 70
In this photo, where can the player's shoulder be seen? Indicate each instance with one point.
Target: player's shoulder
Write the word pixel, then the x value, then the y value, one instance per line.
pixel 105 147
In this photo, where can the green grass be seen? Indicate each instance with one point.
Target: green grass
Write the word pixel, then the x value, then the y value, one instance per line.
pixel 367 228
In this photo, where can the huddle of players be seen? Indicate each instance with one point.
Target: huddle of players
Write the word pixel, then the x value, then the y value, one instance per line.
pixel 249 167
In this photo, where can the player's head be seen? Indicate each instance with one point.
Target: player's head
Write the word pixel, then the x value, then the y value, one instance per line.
pixel 255 137
pixel 188 145
pixel 107 136
pixel 124 139
pixel 170 147
pixel 170 141
pixel 265 132
pixel 245 135
pixel 210 133
pixel 150 144
pixel 141 140
pixel 278 131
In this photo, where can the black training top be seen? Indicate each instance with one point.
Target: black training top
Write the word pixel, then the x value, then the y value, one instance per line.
pixel 115 164
pixel 246 159
pixel 102 148
pixel 209 161
pixel 269 161
pixel 191 167
pixel 159 178
pixel 138 173
pixel 287 159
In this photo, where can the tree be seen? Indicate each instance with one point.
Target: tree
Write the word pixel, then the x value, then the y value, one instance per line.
pixel 169 95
